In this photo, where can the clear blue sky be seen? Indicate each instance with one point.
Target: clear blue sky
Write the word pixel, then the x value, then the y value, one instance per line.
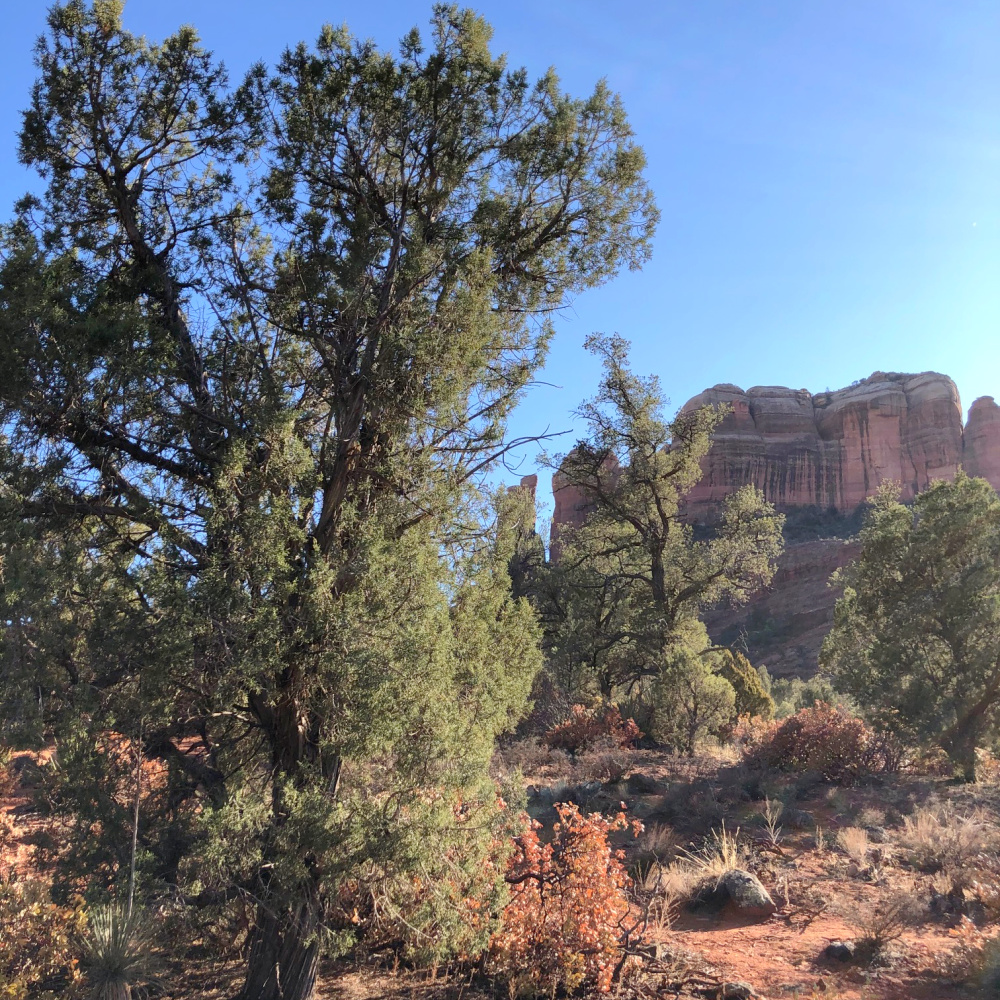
pixel 828 173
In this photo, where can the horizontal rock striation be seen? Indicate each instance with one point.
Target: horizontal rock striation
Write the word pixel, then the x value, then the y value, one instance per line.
pixel 833 449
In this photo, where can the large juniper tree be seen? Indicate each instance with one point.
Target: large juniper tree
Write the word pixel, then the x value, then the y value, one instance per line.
pixel 259 346
pixel 916 634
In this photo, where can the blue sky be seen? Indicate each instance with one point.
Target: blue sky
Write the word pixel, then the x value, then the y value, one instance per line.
pixel 828 173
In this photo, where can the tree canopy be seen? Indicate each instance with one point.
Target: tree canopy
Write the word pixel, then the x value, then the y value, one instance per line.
pixel 260 344
pixel 628 583
pixel 916 636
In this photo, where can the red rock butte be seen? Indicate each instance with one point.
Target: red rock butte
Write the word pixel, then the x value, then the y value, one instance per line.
pixel 833 449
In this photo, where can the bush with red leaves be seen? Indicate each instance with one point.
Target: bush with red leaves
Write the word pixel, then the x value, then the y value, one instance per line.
pixel 568 920
pixel 585 727
pixel 825 740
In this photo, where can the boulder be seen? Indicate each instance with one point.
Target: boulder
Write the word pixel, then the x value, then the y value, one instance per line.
pixel 737 991
pixel 735 893
pixel 839 951
pixel 797 819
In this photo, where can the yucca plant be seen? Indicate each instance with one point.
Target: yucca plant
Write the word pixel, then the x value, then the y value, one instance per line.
pixel 118 952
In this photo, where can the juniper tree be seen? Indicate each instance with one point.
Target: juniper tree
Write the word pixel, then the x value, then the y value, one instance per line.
pixel 916 634
pixel 629 583
pixel 260 344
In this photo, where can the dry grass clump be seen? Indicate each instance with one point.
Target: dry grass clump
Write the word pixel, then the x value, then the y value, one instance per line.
pixel 870 817
pixel 880 922
pixel 532 757
pixel 934 839
pixel 659 841
pixel 770 815
pixel 853 841
pixel 721 853
pixel 662 889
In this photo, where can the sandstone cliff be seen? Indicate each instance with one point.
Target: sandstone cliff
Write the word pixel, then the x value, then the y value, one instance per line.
pixel 981 445
pixel 817 457
pixel 833 449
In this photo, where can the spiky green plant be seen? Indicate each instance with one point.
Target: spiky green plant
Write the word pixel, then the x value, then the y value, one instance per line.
pixel 118 952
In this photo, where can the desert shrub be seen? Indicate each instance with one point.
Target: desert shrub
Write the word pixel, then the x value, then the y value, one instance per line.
pixel 603 760
pixel 824 740
pixel 585 727
pixel 973 958
pixel 752 696
pixel 721 852
pixel 691 701
pixel 118 952
pixel 792 694
pixel 880 922
pixel 853 841
pixel 530 756
pixel 37 943
pixel 935 839
pixel 567 921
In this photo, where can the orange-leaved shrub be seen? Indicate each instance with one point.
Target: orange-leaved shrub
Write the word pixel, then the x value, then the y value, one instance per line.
pixel 568 920
pixel 585 727
pixel 38 943
pixel 825 740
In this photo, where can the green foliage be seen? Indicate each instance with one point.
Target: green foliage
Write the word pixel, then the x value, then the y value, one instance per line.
pixel 260 345
pixel 752 696
pixel 690 700
pixel 790 694
pixel 630 581
pixel 38 942
pixel 916 636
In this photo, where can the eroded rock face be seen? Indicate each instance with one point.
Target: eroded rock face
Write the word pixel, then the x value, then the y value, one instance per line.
pixel 571 505
pixel 982 441
pixel 833 449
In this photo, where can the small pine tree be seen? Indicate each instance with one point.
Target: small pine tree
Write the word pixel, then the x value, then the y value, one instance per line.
pixel 752 697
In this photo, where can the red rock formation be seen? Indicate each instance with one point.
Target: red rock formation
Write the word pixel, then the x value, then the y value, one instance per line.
pixel 783 627
pixel 832 449
pixel 982 441
pixel 571 504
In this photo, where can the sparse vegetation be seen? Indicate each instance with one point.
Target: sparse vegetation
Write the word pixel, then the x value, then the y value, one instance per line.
pixel 853 841
pixel 935 839
pixel 880 923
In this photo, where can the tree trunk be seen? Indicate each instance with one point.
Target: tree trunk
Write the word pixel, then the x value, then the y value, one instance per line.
pixel 284 953
pixel 961 748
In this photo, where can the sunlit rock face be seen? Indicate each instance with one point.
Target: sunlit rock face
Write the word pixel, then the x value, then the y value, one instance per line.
pixel 982 441
pixel 570 505
pixel 832 449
